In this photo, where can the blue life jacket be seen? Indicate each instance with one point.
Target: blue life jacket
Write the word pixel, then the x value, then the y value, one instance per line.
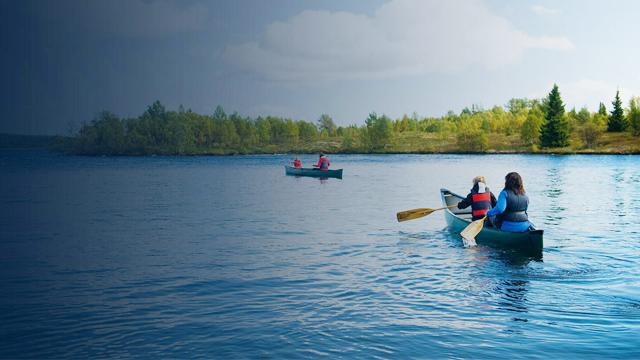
pixel 517 205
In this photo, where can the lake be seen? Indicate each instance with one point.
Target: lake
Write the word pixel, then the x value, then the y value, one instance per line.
pixel 226 257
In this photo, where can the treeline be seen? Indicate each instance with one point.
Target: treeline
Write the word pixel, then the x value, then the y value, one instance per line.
pixel 521 125
pixel 159 131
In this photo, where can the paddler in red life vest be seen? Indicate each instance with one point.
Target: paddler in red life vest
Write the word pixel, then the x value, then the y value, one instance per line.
pixel 323 163
pixel 297 163
pixel 480 198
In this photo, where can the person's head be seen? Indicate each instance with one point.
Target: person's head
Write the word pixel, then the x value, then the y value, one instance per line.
pixel 513 182
pixel 478 179
pixel 321 154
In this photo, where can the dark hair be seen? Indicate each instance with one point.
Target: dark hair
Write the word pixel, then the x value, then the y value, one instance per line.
pixel 513 182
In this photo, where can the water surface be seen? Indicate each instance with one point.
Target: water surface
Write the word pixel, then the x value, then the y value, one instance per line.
pixel 226 257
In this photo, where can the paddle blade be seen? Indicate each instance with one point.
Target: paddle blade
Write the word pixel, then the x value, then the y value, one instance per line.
pixel 413 214
pixel 471 231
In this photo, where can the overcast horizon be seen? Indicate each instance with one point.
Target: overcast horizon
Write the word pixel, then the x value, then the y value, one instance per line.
pixel 64 61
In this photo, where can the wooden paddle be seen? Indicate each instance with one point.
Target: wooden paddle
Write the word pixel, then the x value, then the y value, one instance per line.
pixel 418 213
pixel 469 233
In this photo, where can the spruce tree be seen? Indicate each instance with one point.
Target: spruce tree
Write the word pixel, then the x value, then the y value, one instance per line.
pixel 555 131
pixel 602 110
pixel 617 121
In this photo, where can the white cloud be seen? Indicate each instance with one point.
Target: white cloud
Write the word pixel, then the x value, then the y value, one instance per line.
pixel 403 37
pixel 541 10
pixel 134 18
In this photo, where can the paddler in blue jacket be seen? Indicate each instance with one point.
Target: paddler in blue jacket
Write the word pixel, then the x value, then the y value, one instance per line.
pixel 513 202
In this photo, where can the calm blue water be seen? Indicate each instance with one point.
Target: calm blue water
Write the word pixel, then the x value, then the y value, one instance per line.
pixel 222 257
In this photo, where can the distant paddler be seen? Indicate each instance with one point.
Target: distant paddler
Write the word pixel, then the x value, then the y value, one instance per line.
pixel 323 163
pixel 511 209
pixel 297 163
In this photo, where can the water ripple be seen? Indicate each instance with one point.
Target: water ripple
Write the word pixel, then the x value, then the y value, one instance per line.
pixel 201 257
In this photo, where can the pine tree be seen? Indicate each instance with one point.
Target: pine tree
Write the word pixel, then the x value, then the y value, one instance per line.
pixel 602 110
pixel 555 131
pixel 617 121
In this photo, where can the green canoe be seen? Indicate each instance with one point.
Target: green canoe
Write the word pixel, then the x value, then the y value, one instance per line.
pixel 457 219
pixel 290 170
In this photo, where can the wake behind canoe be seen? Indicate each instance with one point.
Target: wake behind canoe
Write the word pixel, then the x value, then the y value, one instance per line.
pixel 290 170
pixel 458 219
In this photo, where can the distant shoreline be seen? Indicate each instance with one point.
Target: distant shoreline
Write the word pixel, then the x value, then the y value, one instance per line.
pixel 58 144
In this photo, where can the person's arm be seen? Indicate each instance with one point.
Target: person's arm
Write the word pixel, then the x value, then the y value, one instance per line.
pixel 493 200
pixel 501 206
pixel 465 203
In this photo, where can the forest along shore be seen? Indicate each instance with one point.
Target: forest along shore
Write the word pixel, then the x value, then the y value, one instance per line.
pixel 521 126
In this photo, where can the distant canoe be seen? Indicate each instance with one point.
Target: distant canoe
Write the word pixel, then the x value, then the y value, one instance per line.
pixel 290 170
pixel 529 242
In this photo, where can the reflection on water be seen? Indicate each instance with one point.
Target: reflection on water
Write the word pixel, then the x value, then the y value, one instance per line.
pixel 321 180
pixel 555 183
pixel 554 193
pixel 621 187
pixel 513 293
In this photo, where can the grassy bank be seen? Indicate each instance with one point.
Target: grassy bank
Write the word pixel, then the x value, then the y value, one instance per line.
pixel 414 142
pixel 608 143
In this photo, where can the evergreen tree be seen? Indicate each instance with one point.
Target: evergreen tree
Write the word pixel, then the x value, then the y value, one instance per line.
pixel 155 110
pixel 617 121
pixel 602 110
pixel 219 114
pixel 555 131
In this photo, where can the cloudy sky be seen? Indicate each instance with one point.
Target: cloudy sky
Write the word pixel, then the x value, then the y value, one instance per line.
pixel 63 61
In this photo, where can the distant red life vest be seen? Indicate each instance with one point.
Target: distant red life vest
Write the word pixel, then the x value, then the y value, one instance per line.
pixel 297 163
pixel 323 163
pixel 481 203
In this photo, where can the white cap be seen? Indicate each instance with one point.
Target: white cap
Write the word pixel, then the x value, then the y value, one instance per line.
pixel 482 187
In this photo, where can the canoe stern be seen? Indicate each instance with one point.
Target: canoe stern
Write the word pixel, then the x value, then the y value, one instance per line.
pixel 458 219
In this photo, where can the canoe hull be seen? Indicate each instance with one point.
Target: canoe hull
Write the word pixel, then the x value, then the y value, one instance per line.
pixel 530 242
pixel 290 170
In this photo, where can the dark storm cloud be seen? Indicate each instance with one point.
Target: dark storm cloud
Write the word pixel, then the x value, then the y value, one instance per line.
pixel 66 60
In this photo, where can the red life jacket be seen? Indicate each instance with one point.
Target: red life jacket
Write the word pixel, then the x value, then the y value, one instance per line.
pixel 324 163
pixel 481 203
pixel 297 163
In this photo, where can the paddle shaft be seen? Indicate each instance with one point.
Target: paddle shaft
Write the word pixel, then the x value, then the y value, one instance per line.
pixel 446 207
pixel 418 213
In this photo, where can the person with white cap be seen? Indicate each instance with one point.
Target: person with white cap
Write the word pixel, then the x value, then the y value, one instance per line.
pixel 480 198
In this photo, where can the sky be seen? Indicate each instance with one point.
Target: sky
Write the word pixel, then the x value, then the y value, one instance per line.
pixel 64 61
